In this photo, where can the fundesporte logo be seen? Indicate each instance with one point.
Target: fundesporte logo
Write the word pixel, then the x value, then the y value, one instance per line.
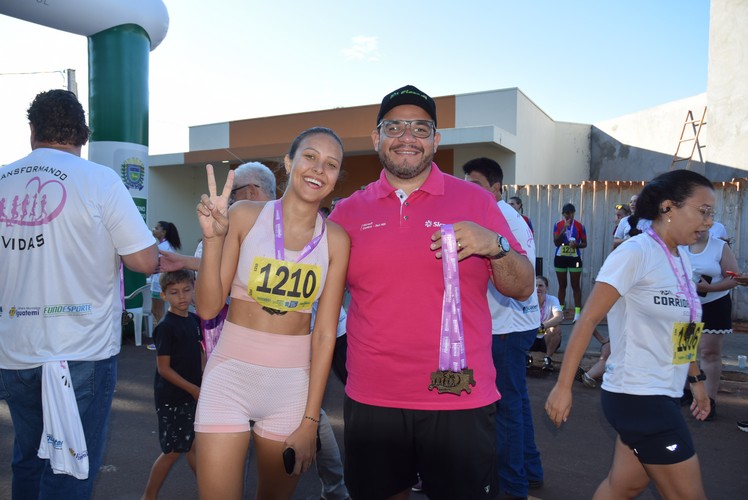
pixel 68 309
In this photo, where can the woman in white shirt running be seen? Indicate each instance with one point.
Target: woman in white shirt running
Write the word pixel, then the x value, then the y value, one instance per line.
pixel 654 320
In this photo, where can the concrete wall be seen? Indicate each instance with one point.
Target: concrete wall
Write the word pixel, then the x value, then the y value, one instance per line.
pixel 572 151
pixel 638 146
pixel 727 89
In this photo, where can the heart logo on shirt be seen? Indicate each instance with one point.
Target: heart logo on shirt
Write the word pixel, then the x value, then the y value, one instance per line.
pixel 39 204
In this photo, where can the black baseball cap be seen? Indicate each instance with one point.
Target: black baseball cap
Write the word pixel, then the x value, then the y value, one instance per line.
pixel 407 95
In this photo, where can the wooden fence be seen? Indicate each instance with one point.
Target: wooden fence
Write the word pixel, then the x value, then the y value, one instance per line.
pixel 595 203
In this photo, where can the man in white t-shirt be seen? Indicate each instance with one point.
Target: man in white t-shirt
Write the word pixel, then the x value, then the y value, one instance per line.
pixel 66 223
pixel 514 324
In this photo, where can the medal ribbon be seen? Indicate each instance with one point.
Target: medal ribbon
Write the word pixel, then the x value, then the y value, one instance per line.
pixel 452 342
pixel 122 283
pixel 685 285
pixel 544 310
pixel 279 240
pixel 570 232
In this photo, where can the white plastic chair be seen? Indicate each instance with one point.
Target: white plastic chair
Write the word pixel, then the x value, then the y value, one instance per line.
pixel 143 313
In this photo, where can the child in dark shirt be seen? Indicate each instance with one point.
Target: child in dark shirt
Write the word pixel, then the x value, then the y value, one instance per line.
pixel 179 369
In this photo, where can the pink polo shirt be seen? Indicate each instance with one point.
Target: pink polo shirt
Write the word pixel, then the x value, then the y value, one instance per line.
pixel 397 286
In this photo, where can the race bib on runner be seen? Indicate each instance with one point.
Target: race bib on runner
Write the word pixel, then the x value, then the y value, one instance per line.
pixel 686 341
pixel 284 285
pixel 568 251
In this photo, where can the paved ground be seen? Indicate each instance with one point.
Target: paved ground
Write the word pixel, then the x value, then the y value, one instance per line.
pixel 575 458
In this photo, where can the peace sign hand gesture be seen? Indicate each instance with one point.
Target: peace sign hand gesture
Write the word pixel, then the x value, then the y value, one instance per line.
pixel 212 211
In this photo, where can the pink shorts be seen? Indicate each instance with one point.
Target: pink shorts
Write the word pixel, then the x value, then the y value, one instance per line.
pixel 257 376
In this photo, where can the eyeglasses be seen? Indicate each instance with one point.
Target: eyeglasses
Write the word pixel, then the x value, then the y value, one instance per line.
pixel 242 187
pixel 707 212
pixel 422 129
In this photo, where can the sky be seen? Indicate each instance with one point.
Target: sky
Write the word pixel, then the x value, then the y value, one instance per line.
pixel 579 60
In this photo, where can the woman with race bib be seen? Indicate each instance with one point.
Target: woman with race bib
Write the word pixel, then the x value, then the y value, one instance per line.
pixel 569 235
pixel 654 320
pixel 276 259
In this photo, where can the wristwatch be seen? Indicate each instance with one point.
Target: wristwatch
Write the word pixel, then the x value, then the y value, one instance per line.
pixel 504 246
pixel 698 378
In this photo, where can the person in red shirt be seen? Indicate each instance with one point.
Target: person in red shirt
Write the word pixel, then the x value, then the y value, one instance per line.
pixel 569 236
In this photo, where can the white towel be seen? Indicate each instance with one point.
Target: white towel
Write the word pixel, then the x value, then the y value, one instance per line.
pixel 63 441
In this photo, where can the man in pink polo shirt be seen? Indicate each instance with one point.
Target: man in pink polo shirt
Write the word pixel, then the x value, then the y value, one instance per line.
pixel 405 414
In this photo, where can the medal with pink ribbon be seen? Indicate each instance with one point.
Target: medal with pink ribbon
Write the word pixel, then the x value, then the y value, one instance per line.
pixel 280 252
pixel 686 286
pixel 686 336
pixel 453 375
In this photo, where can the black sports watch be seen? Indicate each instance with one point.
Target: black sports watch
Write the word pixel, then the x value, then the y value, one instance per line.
pixel 504 247
pixel 698 378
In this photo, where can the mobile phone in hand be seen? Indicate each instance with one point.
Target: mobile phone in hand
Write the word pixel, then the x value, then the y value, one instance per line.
pixel 706 278
pixel 289 460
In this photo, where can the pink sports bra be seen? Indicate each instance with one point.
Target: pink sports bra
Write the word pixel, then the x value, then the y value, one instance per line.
pixel 259 246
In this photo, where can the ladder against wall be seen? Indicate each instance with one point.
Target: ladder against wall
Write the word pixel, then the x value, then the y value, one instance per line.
pixel 689 137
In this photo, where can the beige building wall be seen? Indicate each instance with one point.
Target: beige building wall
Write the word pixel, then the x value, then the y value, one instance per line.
pixel 549 152
pixel 509 127
pixel 494 107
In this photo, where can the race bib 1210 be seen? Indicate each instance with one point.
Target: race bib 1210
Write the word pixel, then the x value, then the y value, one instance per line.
pixel 284 285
